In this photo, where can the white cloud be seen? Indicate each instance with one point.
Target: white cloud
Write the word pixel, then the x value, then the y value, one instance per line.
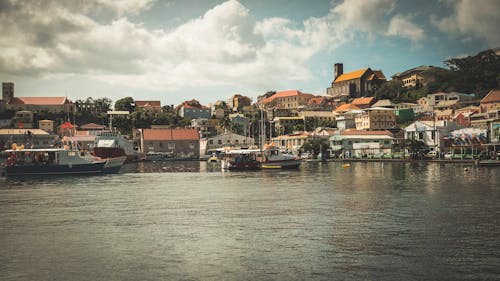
pixel 472 18
pixel 225 46
pixel 403 27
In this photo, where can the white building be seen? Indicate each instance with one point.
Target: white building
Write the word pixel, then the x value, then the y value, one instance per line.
pixel 431 133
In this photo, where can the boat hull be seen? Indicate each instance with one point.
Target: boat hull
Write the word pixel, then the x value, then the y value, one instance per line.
pixel 107 166
pixel 282 164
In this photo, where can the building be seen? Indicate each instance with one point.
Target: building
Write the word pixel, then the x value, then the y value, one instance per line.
pixel 346 107
pixel 318 118
pixel 35 138
pixel 204 127
pixel 364 102
pixel 294 141
pixel 361 144
pixel 408 105
pixel 384 103
pixel 431 133
pixel 355 84
pixel 404 115
pixel 38 104
pixel 240 121
pixel 92 127
pixel 7 91
pixel 237 102
pixel 179 143
pixel 23 119
pixel 491 100
pixel 46 125
pixel 430 101
pixel 346 120
pixel 376 118
pixel 193 109
pixel 291 99
pixel 149 106
pixel 228 140
pixel 413 77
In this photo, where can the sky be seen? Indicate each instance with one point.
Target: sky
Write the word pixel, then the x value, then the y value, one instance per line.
pixel 209 50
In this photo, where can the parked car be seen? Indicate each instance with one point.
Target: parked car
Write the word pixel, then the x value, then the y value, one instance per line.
pixel 431 154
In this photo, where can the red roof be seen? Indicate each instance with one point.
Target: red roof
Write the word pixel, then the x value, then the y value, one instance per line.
pixel 363 101
pixel 346 107
pixel 170 134
pixel 40 100
pixel 144 103
pixel 289 93
pixel 365 133
pixel 492 97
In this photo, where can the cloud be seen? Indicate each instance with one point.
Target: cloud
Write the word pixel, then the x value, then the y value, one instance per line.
pixel 403 27
pixel 472 18
pixel 97 39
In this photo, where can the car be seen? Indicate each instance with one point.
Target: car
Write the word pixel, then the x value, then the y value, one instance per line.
pixel 431 154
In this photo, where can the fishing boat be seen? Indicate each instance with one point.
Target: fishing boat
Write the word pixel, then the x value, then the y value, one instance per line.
pixel 58 161
pixel 109 144
pixel 240 160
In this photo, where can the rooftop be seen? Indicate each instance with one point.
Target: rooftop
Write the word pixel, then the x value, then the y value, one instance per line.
pixel 493 96
pixel 170 134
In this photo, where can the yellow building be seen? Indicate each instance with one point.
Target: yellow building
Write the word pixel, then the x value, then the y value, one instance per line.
pixel 377 118
pixel 291 99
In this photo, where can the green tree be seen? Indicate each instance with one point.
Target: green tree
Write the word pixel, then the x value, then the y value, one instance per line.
pixel 316 146
pixel 125 104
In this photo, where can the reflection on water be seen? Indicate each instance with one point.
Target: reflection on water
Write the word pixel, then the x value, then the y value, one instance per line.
pixel 190 221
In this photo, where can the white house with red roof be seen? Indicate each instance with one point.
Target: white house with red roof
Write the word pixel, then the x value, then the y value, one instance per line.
pixel 178 143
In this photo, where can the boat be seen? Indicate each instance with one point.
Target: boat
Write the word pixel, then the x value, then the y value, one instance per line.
pixel 58 161
pixel 110 144
pixel 488 163
pixel 240 160
pixel 273 158
pixel 213 158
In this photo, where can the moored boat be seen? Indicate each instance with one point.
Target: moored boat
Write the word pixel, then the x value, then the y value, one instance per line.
pixel 110 144
pixel 58 161
pixel 273 158
pixel 240 160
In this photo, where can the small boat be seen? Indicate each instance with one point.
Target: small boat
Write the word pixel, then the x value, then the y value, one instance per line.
pixel 488 163
pixel 240 160
pixel 213 158
pixel 58 161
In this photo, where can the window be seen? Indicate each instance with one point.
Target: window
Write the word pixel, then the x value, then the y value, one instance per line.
pixel 433 134
pixel 219 142
pixel 211 142
pixel 420 135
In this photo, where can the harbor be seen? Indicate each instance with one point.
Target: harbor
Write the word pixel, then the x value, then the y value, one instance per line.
pixel 188 220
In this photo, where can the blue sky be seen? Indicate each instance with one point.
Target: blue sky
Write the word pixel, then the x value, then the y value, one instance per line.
pixel 209 50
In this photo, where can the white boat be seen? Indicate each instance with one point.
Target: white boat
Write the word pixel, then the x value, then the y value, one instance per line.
pixel 273 158
pixel 110 144
pixel 58 161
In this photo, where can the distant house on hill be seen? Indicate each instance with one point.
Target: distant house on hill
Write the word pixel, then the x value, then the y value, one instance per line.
pixel 364 102
pixel 193 109
pixel 181 143
pixel 490 101
pixel 291 99
pixel 148 106
pixel 237 102
pixel 355 84
pixel 413 77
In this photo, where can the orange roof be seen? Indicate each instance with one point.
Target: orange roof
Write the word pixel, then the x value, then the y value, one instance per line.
pixel 170 134
pixel 492 97
pixel 144 103
pixel 358 132
pixel 283 94
pixel 351 75
pixel 40 100
pixel 346 107
pixel 377 74
pixel 363 101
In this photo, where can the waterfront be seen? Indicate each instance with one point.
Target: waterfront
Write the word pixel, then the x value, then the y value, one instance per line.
pixel 190 221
